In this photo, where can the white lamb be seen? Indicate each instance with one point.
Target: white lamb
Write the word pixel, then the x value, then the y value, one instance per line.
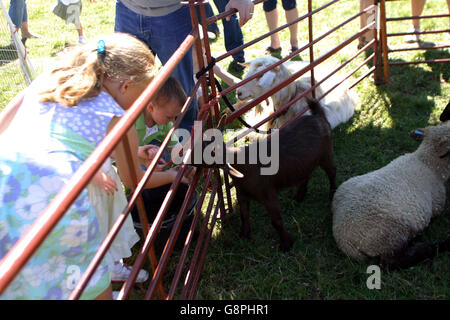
pixel 339 107
pixel 378 213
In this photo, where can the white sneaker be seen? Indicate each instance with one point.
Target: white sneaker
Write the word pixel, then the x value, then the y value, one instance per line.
pixel 82 39
pixel 120 272
pixel 411 38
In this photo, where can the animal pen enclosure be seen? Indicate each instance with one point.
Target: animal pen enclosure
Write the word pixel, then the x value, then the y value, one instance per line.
pixel 182 283
pixel 17 71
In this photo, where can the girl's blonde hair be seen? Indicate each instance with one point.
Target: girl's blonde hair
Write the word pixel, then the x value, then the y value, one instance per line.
pixel 80 71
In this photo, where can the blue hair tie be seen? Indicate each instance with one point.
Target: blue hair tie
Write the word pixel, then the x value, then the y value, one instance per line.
pixel 101 49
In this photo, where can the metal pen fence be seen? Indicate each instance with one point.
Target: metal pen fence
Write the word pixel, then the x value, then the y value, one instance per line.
pixel 384 35
pixel 16 68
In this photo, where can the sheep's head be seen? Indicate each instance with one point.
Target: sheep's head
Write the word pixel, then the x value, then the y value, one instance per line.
pixel 435 139
pixel 259 85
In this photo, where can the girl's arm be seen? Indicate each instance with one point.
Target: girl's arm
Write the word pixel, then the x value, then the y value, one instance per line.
pixel 102 181
pixel 8 113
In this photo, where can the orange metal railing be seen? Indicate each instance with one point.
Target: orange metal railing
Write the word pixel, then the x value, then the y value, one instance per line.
pixel 384 35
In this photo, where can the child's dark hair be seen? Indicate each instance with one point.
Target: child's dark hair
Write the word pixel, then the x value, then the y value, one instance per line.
pixel 171 90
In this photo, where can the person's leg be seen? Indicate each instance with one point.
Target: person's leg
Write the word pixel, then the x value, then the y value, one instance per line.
pixel 272 23
pixel 16 12
pixel 26 33
pixel 291 14
pixel 416 10
pixel 81 37
pixel 165 35
pixel 209 13
pixel 232 32
pixel 127 21
pixel 448 6
pixel 271 13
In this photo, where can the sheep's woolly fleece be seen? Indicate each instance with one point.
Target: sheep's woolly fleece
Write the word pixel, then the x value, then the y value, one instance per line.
pixel 378 213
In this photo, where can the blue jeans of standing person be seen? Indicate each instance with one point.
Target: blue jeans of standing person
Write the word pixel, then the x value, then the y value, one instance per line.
pixel 208 13
pixel 18 12
pixel 163 35
pixel 232 32
pixel 270 5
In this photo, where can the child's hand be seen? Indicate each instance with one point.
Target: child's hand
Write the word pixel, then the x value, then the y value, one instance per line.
pixel 105 183
pixel 174 172
pixel 147 153
pixel 188 173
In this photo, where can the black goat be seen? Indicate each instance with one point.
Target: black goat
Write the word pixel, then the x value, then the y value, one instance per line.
pixel 304 144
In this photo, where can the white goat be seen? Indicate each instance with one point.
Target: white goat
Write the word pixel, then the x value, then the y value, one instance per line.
pixel 338 107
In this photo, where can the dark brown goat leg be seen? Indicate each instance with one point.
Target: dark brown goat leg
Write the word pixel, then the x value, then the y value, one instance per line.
pixel 244 208
pixel 302 189
pixel 330 169
pixel 273 208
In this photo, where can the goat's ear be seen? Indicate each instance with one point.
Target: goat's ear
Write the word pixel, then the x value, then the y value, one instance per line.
pixel 445 115
pixel 221 124
pixel 444 143
pixel 267 79
pixel 245 64
pixel 232 171
pixel 417 134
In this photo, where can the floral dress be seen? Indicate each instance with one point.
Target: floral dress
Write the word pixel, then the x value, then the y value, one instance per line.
pixel 42 148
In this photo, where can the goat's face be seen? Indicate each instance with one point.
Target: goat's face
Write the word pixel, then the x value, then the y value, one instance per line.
pixel 259 85
pixel 210 151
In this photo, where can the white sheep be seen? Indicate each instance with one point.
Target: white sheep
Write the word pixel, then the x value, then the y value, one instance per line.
pixel 378 213
pixel 339 105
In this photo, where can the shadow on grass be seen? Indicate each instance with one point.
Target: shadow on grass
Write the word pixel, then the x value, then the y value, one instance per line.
pixel 439 69
pixel 406 96
pixel 315 268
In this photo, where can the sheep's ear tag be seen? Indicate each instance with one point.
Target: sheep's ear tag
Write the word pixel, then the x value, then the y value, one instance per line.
pixel 417 134
pixel 233 171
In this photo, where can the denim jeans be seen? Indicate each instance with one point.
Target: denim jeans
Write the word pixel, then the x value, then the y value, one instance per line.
pixel 232 31
pixel 163 35
pixel 208 13
pixel 18 12
pixel 271 5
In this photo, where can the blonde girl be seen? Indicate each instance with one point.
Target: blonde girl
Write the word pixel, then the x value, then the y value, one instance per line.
pixel 65 114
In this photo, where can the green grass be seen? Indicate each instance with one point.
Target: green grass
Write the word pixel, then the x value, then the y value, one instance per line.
pixel 237 268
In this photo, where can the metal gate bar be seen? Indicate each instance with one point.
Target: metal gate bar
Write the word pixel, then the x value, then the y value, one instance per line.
pixel 384 35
